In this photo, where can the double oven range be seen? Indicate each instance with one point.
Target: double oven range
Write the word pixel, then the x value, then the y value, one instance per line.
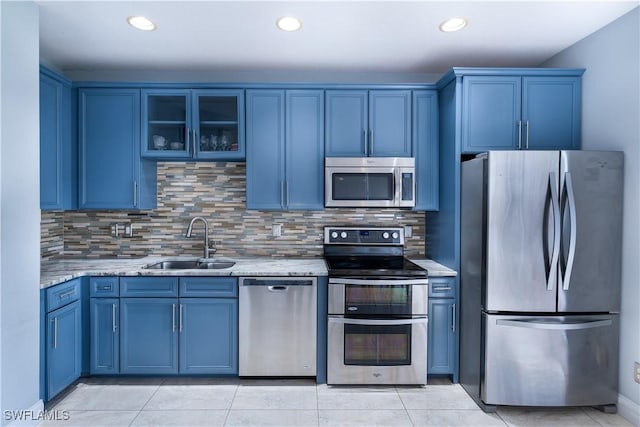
pixel 377 308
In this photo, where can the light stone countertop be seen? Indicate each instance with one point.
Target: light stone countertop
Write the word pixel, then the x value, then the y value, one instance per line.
pixel 435 269
pixel 57 271
pixel 53 272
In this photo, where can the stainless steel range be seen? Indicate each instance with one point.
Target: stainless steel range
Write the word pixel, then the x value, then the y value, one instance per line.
pixel 377 323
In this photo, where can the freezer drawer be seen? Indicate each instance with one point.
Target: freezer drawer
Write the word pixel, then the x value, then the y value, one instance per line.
pixel 550 361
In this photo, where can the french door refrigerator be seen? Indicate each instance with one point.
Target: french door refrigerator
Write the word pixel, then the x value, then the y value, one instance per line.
pixel 540 278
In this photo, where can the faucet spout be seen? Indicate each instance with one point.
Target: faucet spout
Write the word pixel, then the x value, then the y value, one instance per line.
pixel 207 250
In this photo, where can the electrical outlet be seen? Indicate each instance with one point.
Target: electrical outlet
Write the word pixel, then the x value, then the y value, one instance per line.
pixel 276 230
pixel 408 231
pixel 636 374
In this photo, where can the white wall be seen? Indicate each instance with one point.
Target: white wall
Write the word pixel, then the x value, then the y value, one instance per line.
pixel 19 208
pixel 611 121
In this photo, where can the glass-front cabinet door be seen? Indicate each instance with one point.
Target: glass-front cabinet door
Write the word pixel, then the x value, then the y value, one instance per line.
pixel 166 122
pixel 193 124
pixel 219 124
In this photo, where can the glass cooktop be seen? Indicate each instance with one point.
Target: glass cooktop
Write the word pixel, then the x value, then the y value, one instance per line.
pixel 372 266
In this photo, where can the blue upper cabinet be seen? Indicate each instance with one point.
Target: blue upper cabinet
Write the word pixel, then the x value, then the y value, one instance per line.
pixel 368 123
pixel 285 151
pixel 112 175
pixel 206 124
pixel 551 112
pixel 58 153
pixel 502 112
pixel 491 113
pixel 390 123
pixel 347 124
pixel 425 149
pixel 304 149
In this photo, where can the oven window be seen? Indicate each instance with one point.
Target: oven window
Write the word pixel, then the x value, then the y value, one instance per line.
pixel 385 299
pixel 362 186
pixel 377 345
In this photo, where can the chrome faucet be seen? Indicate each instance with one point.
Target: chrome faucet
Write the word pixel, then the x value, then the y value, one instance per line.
pixel 207 249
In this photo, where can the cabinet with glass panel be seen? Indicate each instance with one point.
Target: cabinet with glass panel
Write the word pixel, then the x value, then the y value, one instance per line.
pixel 189 124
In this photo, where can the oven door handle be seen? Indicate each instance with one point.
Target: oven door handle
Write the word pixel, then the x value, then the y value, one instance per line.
pixel 383 322
pixel 378 282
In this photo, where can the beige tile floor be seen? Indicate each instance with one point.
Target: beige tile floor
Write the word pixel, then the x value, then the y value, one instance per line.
pixel 241 402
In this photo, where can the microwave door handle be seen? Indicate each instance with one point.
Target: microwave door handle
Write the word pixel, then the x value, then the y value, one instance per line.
pixel 397 186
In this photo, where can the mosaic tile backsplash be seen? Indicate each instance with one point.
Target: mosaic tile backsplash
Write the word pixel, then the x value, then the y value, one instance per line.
pixel 215 191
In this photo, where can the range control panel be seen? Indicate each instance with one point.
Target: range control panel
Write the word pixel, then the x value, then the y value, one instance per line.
pixel 364 236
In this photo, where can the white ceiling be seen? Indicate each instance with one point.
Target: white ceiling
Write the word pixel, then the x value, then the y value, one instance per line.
pixel 337 36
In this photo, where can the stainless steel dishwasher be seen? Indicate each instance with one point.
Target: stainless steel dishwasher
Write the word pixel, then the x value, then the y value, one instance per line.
pixel 277 334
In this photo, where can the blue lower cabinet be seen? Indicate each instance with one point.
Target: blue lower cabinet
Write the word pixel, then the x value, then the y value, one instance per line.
pixel 105 336
pixel 442 347
pixel 208 335
pixel 442 336
pixel 148 335
pixel 63 347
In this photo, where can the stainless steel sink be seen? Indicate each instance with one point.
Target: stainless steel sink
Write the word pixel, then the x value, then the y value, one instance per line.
pixel 191 265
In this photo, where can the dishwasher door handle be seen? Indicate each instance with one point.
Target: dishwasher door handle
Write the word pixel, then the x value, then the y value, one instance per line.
pixel 277 288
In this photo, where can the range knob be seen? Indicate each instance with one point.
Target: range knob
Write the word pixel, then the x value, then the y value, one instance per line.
pixel 385 235
pixel 395 235
pixel 343 234
pixel 334 234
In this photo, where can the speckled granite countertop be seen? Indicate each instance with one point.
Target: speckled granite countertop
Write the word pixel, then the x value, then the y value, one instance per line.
pixel 434 269
pixel 58 271
pixel 53 272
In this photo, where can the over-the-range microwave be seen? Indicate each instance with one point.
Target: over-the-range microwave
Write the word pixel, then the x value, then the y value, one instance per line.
pixel 382 182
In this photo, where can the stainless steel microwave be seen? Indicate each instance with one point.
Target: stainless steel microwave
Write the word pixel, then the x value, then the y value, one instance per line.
pixel 381 182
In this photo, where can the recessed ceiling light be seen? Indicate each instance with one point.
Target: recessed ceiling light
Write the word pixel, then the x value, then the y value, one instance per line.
pixel 453 24
pixel 289 23
pixel 141 23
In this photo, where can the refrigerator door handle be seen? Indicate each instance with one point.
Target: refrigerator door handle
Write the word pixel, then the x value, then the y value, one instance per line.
pixel 555 254
pixel 572 239
pixel 538 324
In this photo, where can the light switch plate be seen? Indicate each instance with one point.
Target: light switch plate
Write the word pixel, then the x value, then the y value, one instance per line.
pixel 276 230
pixel 408 231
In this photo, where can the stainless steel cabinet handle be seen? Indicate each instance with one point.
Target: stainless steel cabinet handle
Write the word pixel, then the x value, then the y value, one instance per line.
pixel 371 142
pixel 187 139
pixel 113 317
pixel 441 288
pixel 572 239
pixel 135 193
pixel 194 140
pixel 66 294
pixel 555 254
pixel 366 142
pixel 180 320
pixel 55 332
pixel 104 288
pixel 526 141
pixel 282 184
pixel 519 134
pixel 173 317
pixel 453 318
pixel 286 192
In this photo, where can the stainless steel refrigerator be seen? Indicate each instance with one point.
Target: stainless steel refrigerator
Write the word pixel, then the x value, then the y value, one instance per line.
pixel 540 278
